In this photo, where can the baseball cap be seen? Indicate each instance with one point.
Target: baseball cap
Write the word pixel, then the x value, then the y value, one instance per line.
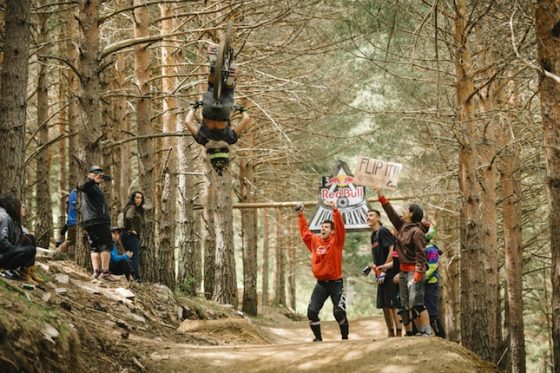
pixel 115 228
pixel 99 171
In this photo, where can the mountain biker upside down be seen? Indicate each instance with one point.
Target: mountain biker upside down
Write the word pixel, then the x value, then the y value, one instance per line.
pixel 216 123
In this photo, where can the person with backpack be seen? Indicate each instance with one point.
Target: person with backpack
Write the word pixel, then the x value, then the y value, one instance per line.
pixel 96 220
pixel 71 222
pixel 133 220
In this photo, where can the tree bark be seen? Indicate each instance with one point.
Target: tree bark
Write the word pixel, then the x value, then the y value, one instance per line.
pixel 210 247
pixel 88 151
pixel 475 321
pixel 149 255
pixel 547 22
pixel 13 96
pixel 280 274
pixel 510 179
pixel 169 144
pixel 225 278
pixel 266 258
pixel 44 225
pixel 247 185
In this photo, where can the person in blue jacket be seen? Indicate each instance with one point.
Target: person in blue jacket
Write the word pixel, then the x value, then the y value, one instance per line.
pixel 119 264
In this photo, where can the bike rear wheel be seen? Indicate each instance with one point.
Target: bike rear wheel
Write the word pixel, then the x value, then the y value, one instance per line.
pixel 221 68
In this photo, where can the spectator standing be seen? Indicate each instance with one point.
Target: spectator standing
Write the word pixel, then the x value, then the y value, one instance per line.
pixel 97 222
pixel 431 296
pixel 132 232
pixel 71 222
pixel 382 246
pixel 326 265
pixel 410 244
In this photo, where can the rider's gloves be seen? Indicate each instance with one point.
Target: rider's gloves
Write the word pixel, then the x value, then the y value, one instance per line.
pixel 239 108
pixel 195 105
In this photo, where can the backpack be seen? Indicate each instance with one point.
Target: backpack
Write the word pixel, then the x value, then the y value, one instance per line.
pixel 120 218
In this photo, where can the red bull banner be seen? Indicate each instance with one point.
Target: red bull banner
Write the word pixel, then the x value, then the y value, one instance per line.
pixel 350 200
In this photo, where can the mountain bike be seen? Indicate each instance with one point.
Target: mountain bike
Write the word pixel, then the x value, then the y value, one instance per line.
pixel 223 61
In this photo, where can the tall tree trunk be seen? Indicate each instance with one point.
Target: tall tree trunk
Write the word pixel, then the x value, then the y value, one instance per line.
pixel 225 278
pixel 291 249
pixel 122 116
pixel 247 187
pixel 149 255
pixel 488 182
pixel 63 129
pixel 89 150
pixel 280 278
pixel 44 225
pixel 266 258
pixel 208 217
pixel 547 21
pixel 13 96
pixel 75 171
pixel 475 325
pixel 169 193
pixel 510 179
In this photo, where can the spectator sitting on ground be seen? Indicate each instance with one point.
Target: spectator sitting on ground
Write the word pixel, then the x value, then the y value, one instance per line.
pixel 119 262
pixel 17 249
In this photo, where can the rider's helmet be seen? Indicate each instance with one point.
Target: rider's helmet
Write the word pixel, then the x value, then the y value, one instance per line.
pixel 219 158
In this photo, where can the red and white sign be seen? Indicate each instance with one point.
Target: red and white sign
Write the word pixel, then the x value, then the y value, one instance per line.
pixel 350 200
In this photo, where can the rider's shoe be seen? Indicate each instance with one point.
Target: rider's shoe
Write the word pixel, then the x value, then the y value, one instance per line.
pixel 212 53
pixel 232 77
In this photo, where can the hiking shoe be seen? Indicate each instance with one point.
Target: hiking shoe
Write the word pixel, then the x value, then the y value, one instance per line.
pixel 107 276
pixel 317 340
pixel 28 274
pixel 96 274
pixel 10 274
pixel 422 334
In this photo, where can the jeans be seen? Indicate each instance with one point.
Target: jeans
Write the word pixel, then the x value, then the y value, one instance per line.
pixel 131 242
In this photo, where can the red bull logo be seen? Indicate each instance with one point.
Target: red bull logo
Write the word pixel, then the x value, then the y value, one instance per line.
pixel 341 180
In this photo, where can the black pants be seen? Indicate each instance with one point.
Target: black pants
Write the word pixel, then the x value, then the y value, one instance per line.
pixel 21 256
pixel 120 268
pixel 131 242
pixel 323 290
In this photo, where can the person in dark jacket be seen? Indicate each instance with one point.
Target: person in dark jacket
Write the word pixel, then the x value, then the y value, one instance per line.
pixel 17 249
pixel 97 222
pixel 132 233
pixel 410 244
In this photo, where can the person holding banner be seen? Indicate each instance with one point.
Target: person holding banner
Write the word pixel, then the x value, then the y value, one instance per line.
pixel 326 265
pixel 410 244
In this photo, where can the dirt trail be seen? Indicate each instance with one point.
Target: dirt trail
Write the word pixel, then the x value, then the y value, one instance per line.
pixel 72 324
pixel 291 350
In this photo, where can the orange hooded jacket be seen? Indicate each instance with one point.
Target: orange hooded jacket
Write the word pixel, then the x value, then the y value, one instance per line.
pixel 326 255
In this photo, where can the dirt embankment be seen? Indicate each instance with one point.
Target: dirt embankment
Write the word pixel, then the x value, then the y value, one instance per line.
pixel 72 324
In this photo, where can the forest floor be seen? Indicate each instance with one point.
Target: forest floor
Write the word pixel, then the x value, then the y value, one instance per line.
pixel 72 324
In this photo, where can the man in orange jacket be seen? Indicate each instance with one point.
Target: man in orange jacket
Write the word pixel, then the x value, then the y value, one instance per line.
pixel 326 264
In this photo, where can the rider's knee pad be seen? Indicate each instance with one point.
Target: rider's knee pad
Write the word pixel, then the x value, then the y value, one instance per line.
pixel 312 315
pixel 339 315
pixel 418 310
pixel 405 316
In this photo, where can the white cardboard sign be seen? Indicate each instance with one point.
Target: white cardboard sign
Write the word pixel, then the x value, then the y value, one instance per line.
pixel 376 173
